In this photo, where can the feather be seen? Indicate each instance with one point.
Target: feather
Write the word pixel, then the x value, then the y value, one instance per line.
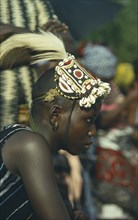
pixel 37 46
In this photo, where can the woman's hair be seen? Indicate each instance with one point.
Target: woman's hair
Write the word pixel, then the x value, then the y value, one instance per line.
pixel 44 84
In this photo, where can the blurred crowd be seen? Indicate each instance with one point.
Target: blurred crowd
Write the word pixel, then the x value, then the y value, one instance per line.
pixel 101 182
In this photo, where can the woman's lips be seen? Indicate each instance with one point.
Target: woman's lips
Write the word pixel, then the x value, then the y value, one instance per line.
pixel 88 145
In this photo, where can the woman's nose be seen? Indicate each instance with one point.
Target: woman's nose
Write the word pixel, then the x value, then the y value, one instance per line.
pixel 92 132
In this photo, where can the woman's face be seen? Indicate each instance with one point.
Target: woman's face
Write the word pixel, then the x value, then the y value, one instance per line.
pixel 81 129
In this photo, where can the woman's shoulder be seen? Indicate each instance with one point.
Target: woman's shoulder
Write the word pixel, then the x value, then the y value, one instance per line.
pixel 27 142
pixel 22 147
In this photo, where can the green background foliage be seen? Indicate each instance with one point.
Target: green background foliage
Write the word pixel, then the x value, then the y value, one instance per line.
pixel 122 33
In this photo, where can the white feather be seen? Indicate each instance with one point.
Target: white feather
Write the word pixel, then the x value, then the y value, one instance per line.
pixel 46 45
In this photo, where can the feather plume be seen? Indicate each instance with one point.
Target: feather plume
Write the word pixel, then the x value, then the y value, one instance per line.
pixel 38 47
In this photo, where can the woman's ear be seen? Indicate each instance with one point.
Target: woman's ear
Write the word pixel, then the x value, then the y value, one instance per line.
pixel 54 116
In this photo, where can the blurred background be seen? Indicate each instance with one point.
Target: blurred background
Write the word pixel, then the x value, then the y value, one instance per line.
pixel 113 22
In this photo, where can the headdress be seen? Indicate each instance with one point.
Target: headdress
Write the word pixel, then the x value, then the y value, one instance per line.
pixel 72 80
pixel 124 75
pixel 100 60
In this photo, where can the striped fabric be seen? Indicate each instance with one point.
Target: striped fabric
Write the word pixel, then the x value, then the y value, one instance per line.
pixel 29 14
pixel 14 204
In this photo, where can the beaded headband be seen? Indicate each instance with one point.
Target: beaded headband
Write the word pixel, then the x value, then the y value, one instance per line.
pixel 75 82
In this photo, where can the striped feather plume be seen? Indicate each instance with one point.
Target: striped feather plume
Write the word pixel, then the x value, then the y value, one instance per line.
pixel 38 47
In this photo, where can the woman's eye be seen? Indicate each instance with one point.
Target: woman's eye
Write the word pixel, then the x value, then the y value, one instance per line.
pixel 90 120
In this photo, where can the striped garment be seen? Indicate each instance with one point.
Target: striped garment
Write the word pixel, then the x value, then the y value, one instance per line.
pixel 28 14
pixel 14 204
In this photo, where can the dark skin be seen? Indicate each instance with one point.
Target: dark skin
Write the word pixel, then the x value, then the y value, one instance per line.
pixel 6 31
pixel 54 26
pixel 107 118
pixel 30 155
pixel 58 28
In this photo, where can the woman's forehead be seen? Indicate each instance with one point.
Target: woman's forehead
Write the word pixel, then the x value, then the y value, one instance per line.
pixel 94 110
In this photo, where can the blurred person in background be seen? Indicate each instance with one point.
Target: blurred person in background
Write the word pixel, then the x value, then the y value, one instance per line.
pixel 75 179
pixel 133 108
pixel 124 76
pixel 114 179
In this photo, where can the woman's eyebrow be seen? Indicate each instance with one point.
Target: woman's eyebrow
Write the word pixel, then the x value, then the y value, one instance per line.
pixel 92 114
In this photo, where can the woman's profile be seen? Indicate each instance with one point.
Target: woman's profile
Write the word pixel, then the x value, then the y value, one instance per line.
pixel 66 102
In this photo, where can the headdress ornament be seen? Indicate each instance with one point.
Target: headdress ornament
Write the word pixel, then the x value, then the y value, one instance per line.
pixel 100 60
pixel 72 80
pixel 75 82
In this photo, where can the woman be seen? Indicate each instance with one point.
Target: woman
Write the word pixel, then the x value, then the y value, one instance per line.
pixel 66 102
